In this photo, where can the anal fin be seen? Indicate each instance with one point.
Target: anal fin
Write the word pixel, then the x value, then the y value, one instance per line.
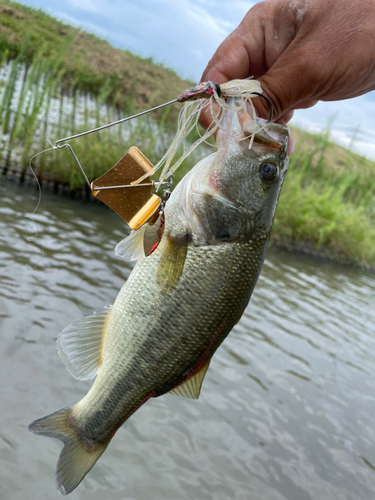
pixel 191 387
pixel 80 345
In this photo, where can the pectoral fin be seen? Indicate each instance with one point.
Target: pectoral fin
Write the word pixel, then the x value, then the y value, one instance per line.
pixel 131 247
pixel 80 345
pixel 191 388
pixel 172 261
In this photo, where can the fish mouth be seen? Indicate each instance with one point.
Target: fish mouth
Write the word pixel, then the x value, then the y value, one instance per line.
pixel 247 129
pixel 265 136
pixel 261 133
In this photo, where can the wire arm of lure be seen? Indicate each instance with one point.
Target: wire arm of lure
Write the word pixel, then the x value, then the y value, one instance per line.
pixel 76 160
pixel 98 129
pixel 154 185
pixel 200 91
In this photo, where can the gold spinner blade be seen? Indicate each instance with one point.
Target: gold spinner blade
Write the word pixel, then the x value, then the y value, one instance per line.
pixel 135 204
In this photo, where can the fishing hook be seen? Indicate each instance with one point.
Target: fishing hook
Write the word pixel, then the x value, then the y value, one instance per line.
pixel 268 102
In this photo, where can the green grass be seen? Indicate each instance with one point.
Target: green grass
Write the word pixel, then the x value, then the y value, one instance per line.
pixel 38 103
pixel 328 199
pixel 98 153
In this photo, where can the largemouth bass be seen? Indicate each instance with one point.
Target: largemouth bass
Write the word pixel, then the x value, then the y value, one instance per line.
pixel 181 301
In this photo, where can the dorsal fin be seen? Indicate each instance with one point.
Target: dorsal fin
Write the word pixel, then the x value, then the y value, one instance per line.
pixel 80 345
pixel 131 247
pixel 191 387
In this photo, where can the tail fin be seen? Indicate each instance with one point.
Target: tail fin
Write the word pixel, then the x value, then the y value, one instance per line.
pixel 77 457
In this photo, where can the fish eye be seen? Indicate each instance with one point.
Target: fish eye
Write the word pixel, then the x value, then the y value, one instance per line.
pixel 269 173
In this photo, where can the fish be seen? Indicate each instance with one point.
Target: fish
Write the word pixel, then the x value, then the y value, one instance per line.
pixel 181 300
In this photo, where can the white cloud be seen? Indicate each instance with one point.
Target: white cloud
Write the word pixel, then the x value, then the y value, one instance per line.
pixel 88 5
pixel 353 123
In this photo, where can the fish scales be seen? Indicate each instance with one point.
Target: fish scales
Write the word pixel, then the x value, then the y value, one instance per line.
pixel 180 302
pixel 167 346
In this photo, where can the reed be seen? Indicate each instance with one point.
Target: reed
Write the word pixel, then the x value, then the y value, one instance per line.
pixel 36 104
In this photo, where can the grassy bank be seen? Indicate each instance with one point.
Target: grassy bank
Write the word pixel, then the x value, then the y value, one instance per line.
pixel 56 81
pixel 328 201
pixel 37 106
pixel 93 65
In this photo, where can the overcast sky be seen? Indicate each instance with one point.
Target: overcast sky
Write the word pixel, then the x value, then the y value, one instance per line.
pixel 183 34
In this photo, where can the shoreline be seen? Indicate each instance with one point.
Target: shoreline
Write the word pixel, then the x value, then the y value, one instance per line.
pixel 307 249
pixel 277 242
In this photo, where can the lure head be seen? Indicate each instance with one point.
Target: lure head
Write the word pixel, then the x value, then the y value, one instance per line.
pixel 232 195
pixel 203 90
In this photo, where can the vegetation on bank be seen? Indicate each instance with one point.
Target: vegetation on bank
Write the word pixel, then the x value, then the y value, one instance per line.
pixel 328 198
pixel 36 109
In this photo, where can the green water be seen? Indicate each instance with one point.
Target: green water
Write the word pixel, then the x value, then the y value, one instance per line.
pixel 286 411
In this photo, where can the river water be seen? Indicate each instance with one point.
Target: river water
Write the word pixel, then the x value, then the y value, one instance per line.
pixel 287 408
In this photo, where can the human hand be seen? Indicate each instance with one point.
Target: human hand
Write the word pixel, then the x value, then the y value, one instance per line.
pixel 301 51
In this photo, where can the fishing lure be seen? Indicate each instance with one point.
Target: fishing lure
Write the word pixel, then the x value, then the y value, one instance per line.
pixel 131 174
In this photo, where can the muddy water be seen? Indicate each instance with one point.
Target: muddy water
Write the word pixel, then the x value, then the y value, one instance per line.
pixel 287 409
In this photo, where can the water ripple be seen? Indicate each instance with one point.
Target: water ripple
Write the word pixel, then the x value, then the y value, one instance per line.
pixel 286 410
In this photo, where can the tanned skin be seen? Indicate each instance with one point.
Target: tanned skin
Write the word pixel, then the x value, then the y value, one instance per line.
pixel 302 52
